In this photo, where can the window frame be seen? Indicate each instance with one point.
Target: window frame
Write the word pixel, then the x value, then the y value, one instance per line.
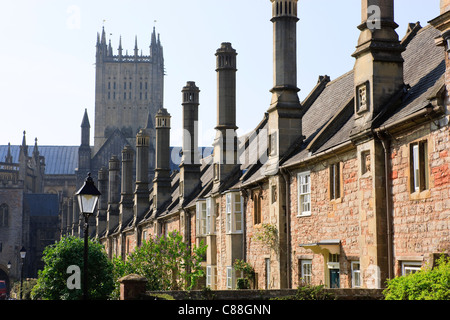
pixel 268 272
pixel 210 216
pixel 335 181
pixel 419 173
pixel 230 278
pixel 231 214
pixel 201 218
pixel 409 267
pixel 4 215
pixel 211 278
pixel 257 212
pixel 356 274
pixel 300 175
pixel 306 278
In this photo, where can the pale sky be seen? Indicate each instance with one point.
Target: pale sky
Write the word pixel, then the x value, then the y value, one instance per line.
pixel 47 56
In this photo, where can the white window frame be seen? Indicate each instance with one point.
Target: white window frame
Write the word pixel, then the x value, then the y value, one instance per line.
pixel 201 218
pixel 228 217
pixel 210 217
pixel 306 265
pixel 231 278
pixel 211 272
pixel 419 166
pixel 415 160
pixel 233 213
pixel 409 267
pixel 356 274
pixel 304 194
pixel 268 272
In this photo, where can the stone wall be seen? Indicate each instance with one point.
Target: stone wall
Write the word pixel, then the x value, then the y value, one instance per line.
pixel 329 219
pixel 234 295
pixel 421 218
pixel 12 237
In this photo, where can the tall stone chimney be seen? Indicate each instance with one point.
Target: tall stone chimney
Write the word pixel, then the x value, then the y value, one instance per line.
pixel 378 79
pixel 445 6
pixel 141 193
pixel 442 23
pixel 126 199
pixel 102 201
pixel 378 70
pixel 190 161
pixel 225 143
pixel 285 114
pixel 162 181
pixel 113 193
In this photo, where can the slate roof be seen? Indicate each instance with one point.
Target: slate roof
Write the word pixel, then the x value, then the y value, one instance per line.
pixel 63 160
pixel 334 97
pixel 424 68
pixel 58 159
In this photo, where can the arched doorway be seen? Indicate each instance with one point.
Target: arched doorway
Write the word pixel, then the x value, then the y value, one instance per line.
pixel 4 277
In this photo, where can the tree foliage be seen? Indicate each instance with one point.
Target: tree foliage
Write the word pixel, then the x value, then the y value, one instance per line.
pixel 52 280
pixel 166 262
pixel 248 273
pixel 426 284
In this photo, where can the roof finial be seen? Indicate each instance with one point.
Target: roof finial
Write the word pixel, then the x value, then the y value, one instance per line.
pixel 136 50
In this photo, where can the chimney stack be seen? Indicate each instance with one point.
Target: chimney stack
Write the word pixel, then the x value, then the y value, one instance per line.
pixel 225 143
pixel 102 201
pixel 442 23
pixel 113 193
pixel 162 181
pixel 190 162
pixel 126 201
pixel 378 70
pixel 141 193
pixel 285 113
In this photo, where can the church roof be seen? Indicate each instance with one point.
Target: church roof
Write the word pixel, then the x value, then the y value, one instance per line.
pixel 58 159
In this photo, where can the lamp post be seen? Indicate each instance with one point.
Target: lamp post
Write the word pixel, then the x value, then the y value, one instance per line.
pixel 87 200
pixel 9 270
pixel 23 253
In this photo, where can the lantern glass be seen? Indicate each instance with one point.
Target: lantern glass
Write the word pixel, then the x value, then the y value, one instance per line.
pixel 87 203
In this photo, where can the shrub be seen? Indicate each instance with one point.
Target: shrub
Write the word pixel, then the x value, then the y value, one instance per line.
pixel 52 280
pixel 310 292
pixel 166 262
pixel 247 271
pixel 426 284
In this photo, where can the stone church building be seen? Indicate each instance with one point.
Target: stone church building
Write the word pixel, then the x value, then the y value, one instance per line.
pixel 351 186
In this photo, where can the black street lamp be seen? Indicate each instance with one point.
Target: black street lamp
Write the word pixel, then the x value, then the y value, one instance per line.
pixel 87 200
pixel 23 253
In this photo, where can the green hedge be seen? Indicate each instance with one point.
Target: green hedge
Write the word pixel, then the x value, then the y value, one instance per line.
pixel 426 284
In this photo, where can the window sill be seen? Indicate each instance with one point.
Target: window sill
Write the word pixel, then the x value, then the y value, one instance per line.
pixel 420 195
pixel 304 215
pixel 337 200
pixel 235 232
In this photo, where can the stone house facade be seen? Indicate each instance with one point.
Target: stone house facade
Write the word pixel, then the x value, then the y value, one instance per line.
pixel 347 188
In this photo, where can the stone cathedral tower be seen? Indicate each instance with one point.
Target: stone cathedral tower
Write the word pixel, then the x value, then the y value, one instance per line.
pixel 128 89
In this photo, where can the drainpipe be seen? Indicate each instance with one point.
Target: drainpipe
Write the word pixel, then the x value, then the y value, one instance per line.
pixel 386 146
pixel 287 179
